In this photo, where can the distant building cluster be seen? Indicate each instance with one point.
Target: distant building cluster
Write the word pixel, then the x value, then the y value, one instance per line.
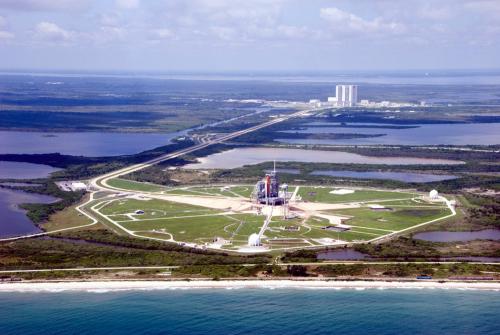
pixel 389 104
pixel 345 96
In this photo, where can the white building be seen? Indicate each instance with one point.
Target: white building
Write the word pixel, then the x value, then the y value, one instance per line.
pixel 433 195
pixel 345 96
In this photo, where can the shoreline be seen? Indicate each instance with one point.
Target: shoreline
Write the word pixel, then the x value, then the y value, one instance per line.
pixel 103 286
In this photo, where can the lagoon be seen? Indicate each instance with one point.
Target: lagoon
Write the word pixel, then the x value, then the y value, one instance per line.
pixel 90 144
pixel 14 221
pixel 248 156
pixel 19 170
pixel 427 134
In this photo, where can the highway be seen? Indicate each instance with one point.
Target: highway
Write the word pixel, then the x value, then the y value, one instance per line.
pixel 100 183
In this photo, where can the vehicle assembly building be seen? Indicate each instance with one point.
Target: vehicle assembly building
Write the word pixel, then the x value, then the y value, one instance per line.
pixel 345 96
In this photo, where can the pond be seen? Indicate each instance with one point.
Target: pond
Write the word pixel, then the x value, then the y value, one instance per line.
pixel 458 236
pixel 247 156
pixel 408 177
pixel 14 221
pixel 428 134
pixel 18 170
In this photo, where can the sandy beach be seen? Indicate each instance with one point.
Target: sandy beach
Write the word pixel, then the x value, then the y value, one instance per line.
pixel 108 286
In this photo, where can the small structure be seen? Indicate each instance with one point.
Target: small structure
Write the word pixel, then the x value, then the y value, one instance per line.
pixel 338 229
pixel 341 191
pixel 254 240
pixel 139 212
pixel 72 186
pixel 380 208
pixel 292 228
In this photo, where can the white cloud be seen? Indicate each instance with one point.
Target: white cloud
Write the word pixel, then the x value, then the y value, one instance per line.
pixel 45 5
pixel 161 34
pixel 109 33
pixel 433 12
pixel 485 6
pixel 226 33
pixel 347 22
pixel 127 4
pixel 52 32
pixel 5 35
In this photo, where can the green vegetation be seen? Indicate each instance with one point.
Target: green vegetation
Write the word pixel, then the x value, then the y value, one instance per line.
pixel 392 220
pixel 134 186
pixel 322 194
pixel 484 210
pixel 404 248
pixel 65 218
pixel 437 271
pixel 39 213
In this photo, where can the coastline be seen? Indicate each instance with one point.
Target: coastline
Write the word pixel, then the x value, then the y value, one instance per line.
pixel 103 286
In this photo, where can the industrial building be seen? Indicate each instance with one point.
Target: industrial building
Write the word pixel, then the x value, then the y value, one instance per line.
pixel 345 96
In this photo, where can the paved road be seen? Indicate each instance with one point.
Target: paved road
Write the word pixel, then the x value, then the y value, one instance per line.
pixel 100 183
pixel 249 264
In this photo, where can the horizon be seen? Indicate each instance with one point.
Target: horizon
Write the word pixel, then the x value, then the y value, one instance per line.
pixel 222 36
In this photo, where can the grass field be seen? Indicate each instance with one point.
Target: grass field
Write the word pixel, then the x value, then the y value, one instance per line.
pixel 322 194
pixel 394 220
pixel 177 221
pixel 224 191
pixel 134 186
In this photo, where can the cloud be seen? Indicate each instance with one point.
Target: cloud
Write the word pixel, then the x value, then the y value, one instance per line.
pixel 485 6
pixel 161 34
pixel 44 5
pixel 127 4
pixel 433 12
pixel 52 32
pixel 5 35
pixel 349 23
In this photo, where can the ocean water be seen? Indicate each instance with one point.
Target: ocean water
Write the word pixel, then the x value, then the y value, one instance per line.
pixel 252 311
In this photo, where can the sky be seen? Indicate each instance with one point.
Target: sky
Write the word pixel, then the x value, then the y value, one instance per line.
pixel 249 35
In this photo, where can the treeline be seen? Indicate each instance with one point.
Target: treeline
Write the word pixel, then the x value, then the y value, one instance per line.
pixel 485 210
pixel 106 237
pixel 39 213
pixel 79 167
pixel 55 253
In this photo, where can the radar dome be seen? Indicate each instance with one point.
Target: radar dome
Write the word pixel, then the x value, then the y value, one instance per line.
pixel 433 194
pixel 254 240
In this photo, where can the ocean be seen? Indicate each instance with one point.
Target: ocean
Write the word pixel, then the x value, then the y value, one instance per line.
pixel 252 311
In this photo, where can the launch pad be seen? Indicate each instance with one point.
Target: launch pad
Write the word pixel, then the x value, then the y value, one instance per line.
pixel 268 191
